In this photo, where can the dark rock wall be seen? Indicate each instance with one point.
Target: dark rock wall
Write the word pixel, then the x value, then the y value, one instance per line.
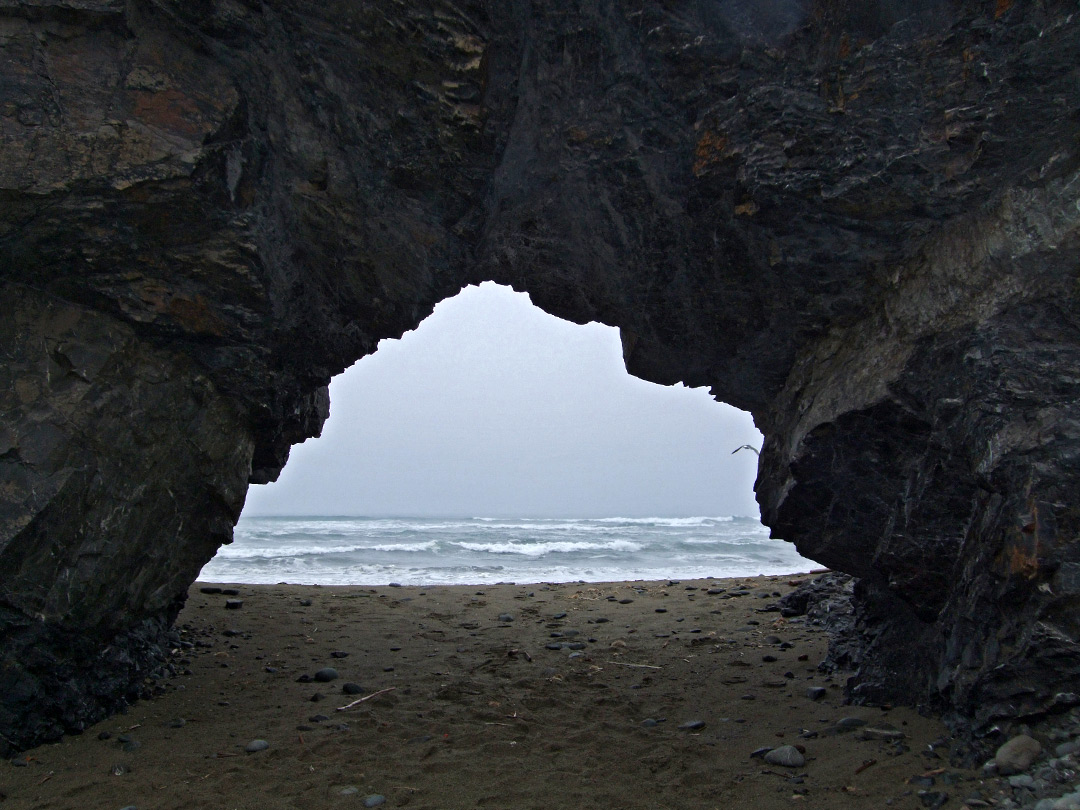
pixel 860 221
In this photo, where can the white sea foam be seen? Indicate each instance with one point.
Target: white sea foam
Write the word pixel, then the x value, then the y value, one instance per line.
pixel 542 549
pixel 345 550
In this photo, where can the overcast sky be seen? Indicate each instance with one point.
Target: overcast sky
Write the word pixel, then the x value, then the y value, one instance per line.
pixel 494 408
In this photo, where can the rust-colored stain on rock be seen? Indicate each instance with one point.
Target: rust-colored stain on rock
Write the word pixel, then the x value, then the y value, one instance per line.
pixel 711 148
pixel 195 315
pixel 170 110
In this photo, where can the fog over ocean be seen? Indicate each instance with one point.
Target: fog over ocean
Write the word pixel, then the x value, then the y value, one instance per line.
pixel 433 551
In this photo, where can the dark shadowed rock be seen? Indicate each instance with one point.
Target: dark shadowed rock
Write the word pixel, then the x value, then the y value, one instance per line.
pixel 858 223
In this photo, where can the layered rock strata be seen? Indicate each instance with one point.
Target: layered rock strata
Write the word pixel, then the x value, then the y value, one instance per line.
pixel 860 221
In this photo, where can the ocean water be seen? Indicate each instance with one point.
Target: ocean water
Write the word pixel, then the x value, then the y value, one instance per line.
pixel 432 551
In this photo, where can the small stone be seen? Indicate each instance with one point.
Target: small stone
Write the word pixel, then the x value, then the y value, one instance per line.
pixel 625 601
pixel 326 674
pixel 271 670
pixel 234 604
pixel 932 798
pixel 352 689
pixel 1066 748
pixel 758 753
pixel 768 659
pixel 104 735
pixel 132 745
pixel 349 791
pixel 210 589
pixel 692 725
pixel 786 756
pixel 374 800
pixel 1022 780
pixel 306 603
pixel 650 722
pixel 816 692
pixel 230 592
pixel 256 745
pixel 559 616
pixel 20 762
pixel 318 718
pixel 506 617
pixel 1017 754
pixel 882 733
pixel 661 610
pixel 601 620
pixel 850 723
pixel 178 722
pixel 339 654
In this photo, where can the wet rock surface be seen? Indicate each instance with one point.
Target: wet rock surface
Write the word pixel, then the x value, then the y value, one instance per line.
pixel 860 223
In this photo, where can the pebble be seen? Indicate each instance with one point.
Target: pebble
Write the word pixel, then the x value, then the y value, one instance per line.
pixel 650 722
pixel 318 718
pixel 210 590
pixel 178 722
pixel 1022 780
pixel 234 604
pixel 1017 754
pixel 506 617
pixel 374 800
pixel 559 616
pixel 256 745
pixel 932 798
pixel 625 601
pixel 692 725
pixel 816 692
pixel 1066 748
pixel 306 603
pixel 787 756
pixel 881 733
pixel 326 674
pixel 349 791
pixel 230 592
pixel 849 723
pixel 352 689
pixel 339 654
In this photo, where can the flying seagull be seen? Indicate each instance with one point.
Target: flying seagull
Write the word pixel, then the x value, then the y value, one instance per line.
pixel 746 447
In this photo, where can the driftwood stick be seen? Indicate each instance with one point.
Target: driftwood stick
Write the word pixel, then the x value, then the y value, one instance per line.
pixel 366 697
pixel 640 666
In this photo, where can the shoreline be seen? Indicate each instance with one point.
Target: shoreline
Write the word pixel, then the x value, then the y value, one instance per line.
pixel 638 694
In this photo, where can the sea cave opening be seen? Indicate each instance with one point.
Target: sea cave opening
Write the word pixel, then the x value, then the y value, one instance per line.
pixel 496 442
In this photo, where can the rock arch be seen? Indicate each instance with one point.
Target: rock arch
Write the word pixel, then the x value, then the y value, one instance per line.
pixel 857 221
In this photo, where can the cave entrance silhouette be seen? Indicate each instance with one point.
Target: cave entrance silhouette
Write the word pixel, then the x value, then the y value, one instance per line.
pixel 495 409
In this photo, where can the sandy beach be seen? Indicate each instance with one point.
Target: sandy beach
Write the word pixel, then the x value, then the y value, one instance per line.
pixel 590 695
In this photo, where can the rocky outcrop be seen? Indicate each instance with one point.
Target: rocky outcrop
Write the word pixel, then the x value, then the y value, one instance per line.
pixel 858 221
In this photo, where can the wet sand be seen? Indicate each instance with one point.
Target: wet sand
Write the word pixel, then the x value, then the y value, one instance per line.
pixel 468 709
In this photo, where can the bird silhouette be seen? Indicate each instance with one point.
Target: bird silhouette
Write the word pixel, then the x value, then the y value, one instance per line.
pixel 746 447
